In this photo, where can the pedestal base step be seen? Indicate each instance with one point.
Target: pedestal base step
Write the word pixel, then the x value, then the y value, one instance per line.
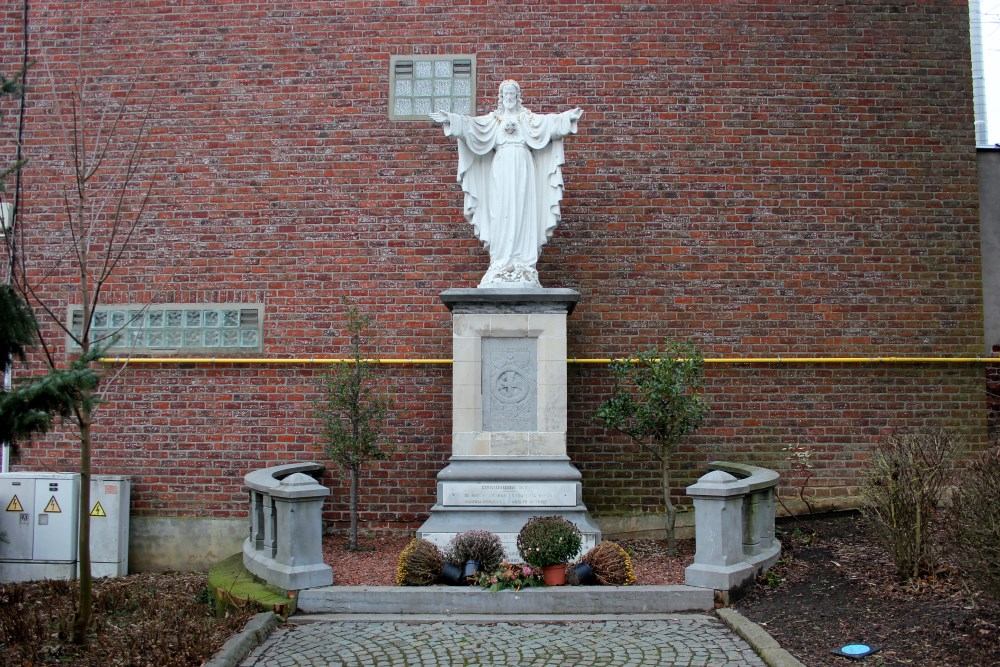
pixel 500 494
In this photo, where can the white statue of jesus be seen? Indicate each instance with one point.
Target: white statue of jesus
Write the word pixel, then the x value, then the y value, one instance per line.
pixel 509 165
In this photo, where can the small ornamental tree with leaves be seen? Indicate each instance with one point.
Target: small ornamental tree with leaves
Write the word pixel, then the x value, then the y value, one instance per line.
pixel 353 414
pixel 656 401
pixel 28 409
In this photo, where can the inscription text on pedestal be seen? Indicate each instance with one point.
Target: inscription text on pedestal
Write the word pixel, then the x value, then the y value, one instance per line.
pixel 543 494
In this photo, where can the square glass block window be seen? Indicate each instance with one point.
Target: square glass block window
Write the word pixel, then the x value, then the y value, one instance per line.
pixel 186 328
pixel 421 84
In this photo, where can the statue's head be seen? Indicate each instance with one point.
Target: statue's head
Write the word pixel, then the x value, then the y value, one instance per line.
pixel 509 95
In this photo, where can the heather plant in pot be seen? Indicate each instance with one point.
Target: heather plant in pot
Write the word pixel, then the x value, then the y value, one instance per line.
pixel 611 564
pixel 475 551
pixel 549 542
pixel 419 564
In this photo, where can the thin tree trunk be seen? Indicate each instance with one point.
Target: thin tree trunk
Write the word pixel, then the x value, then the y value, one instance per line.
pixel 84 607
pixel 353 541
pixel 84 604
pixel 668 503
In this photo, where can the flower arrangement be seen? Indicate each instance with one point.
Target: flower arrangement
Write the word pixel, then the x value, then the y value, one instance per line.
pixel 420 564
pixel 481 546
pixel 548 540
pixel 611 564
pixel 510 577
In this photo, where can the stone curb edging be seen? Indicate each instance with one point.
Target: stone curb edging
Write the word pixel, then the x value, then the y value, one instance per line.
pixel 764 644
pixel 466 600
pixel 240 645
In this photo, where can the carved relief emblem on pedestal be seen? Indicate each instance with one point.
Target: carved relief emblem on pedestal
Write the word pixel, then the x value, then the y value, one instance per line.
pixel 509 376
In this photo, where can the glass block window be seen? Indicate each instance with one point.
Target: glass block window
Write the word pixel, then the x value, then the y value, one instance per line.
pixel 419 85
pixel 173 328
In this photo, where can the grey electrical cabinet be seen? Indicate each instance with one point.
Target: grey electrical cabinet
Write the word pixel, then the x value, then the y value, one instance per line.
pixel 40 520
pixel 109 508
pixel 40 524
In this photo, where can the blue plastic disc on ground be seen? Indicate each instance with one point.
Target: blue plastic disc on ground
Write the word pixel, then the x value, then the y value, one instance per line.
pixel 855 649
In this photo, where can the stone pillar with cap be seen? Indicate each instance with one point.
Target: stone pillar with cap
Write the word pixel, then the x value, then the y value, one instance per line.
pixel 719 561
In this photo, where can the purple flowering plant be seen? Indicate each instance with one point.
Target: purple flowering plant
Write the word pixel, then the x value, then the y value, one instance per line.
pixel 510 576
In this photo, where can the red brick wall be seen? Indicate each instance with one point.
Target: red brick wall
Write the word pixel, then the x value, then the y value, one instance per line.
pixel 757 179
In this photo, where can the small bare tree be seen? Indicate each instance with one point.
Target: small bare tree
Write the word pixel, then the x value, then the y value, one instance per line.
pixel 354 414
pixel 104 205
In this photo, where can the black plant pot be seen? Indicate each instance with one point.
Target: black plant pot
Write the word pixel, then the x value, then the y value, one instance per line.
pixel 452 575
pixel 584 574
pixel 470 571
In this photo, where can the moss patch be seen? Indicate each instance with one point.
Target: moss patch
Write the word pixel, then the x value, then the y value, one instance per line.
pixel 234 584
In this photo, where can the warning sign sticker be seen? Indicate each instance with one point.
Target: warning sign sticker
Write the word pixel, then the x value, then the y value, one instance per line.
pixel 98 510
pixel 52 507
pixel 14 505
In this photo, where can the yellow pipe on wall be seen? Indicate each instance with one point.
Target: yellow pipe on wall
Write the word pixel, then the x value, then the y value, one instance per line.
pixel 264 361
pixel 722 360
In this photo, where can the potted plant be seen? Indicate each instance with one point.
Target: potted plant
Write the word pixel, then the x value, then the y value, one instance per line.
pixel 470 553
pixel 610 564
pixel 549 542
pixel 419 564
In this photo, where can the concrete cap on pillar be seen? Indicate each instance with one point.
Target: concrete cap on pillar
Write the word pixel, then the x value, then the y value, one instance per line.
pixel 299 485
pixel 717 484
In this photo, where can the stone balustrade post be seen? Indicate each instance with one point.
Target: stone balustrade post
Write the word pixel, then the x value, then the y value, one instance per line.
pixel 298 503
pixel 718 506
pixel 759 521
pixel 270 527
pixel 285 547
pixel 734 526
pixel 257 519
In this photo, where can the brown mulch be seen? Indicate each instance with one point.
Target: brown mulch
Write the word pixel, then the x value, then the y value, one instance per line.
pixel 160 620
pixel 376 565
pixel 836 586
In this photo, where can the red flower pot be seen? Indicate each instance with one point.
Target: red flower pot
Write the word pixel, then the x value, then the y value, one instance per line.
pixel 554 575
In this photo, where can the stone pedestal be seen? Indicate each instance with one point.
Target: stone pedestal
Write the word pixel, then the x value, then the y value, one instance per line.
pixel 509 459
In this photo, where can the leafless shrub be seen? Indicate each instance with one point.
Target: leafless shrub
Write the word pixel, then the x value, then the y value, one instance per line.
pixel 975 522
pixel 909 472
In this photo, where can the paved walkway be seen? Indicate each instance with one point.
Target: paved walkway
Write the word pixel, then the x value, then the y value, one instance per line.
pixel 683 639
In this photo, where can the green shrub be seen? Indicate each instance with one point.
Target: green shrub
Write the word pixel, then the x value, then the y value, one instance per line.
pixel 902 493
pixel 975 522
pixel 481 546
pixel 611 564
pixel 548 540
pixel 420 564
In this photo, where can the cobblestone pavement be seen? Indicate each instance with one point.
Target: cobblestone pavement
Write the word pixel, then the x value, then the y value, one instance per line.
pixel 686 639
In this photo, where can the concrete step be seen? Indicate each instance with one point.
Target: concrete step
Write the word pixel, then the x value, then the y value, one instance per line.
pixel 452 600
